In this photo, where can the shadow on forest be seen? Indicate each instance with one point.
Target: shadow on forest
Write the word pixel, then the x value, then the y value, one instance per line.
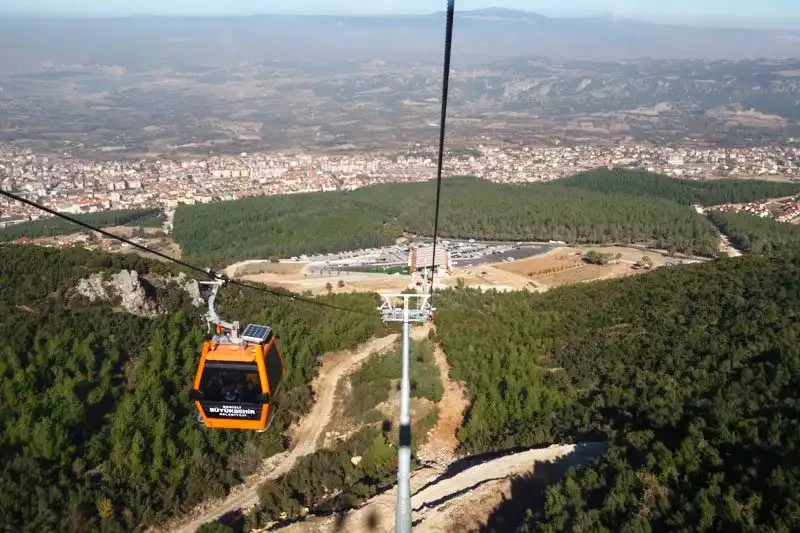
pixel 528 491
pixel 371 522
pixel 459 465
pixel 233 519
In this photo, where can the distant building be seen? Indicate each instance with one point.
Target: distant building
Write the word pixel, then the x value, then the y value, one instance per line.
pixel 10 221
pixel 676 161
pixel 421 260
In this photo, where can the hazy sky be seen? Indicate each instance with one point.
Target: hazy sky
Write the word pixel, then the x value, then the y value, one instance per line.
pixel 708 12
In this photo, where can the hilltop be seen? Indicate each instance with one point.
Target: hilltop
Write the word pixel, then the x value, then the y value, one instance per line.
pixel 501 14
pixel 688 374
pixel 284 226
pixel 598 207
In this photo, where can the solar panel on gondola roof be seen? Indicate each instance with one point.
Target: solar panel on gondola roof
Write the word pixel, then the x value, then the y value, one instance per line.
pixel 256 333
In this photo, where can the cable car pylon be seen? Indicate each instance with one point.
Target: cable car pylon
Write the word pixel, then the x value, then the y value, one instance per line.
pixel 399 308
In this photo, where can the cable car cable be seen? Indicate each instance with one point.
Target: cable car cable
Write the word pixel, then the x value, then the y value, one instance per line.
pixel 297 298
pixel 206 272
pixel 103 232
pixel 448 42
pixel 213 275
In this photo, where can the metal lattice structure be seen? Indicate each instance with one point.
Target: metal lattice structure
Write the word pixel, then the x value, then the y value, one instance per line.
pixel 395 306
pixel 212 317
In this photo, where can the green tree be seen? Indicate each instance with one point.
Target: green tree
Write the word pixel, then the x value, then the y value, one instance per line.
pixel 378 215
pixel 706 192
pixel 94 402
pixel 50 227
pixel 750 233
pixel 215 527
pixel 596 258
pixel 656 366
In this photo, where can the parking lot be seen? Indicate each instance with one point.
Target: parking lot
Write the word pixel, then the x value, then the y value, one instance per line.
pixel 370 257
pixel 467 253
pixel 464 253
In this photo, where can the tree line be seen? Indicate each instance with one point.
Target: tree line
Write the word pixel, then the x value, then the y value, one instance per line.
pixel 750 233
pixel 689 372
pixel 328 480
pixel 99 433
pixel 52 227
pixel 619 181
pixel 292 225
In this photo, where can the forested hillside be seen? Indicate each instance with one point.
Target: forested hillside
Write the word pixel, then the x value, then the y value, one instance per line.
pixel 707 192
pixel 691 372
pixel 98 430
pixel 750 233
pixel 50 227
pixel 324 222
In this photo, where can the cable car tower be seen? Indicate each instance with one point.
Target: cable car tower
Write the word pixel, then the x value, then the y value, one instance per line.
pixel 405 308
pixel 399 308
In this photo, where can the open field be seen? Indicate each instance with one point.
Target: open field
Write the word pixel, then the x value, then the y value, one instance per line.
pixel 163 245
pixel 565 266
pixel 554 268
pixel 560 266
pixel 128 231
pixel 488 277
pixel 253 267
pixel 317 284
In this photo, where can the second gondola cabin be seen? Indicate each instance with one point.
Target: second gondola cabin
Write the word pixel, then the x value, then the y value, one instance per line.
pixel 237 380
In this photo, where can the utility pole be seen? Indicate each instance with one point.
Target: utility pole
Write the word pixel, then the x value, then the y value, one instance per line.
pixel 398 308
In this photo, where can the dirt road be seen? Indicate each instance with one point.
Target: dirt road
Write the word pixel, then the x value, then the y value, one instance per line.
pixel 433 501
pixel 442 442
pixel 726 246
pixel 471 492
pixel 305 437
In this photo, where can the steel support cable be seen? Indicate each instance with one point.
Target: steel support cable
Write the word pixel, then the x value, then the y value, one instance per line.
pixel 206 272
pixel 448 42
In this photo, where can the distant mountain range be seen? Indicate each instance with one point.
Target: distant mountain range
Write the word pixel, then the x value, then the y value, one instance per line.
pixel 480 36
pixel 499 14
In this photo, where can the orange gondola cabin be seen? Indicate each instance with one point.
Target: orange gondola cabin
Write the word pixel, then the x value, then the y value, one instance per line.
pixel 237 379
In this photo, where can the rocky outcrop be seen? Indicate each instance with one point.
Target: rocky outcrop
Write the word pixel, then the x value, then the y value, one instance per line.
pixel 124 286
pixel 136 294
pixel 190 286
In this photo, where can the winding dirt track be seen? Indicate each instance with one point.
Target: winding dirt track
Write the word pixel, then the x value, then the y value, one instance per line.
pixel 446 504
pixel 438 503
pixel 305 437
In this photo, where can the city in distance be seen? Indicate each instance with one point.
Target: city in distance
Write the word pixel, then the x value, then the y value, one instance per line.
pixel 167 86
pixel 617 270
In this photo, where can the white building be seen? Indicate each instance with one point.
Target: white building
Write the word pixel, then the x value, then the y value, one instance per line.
pixel 421 260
